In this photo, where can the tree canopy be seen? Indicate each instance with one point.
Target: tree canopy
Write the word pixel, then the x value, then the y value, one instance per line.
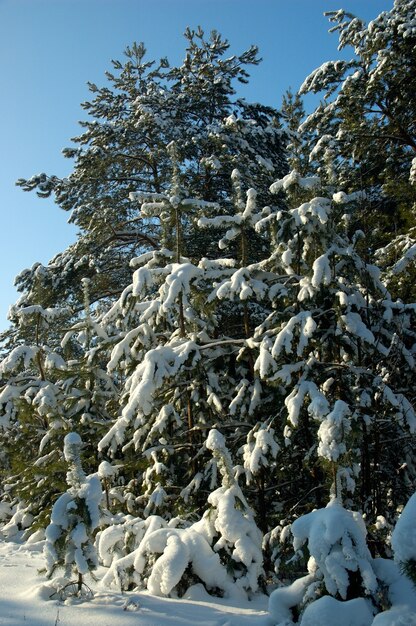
pixel 229 334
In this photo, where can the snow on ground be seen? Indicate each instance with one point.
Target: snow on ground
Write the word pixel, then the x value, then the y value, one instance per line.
pixel 24 592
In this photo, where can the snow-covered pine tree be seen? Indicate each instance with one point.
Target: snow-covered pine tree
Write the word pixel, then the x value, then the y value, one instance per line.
pixel 241 299
pixel 230 521
pixel 364 135
pixel 34 375
pixel 221 551
pixel 50 389
pixel 338 348
pixel 165 348
pixel 298 148
pixel 91 397
pixel 180 334
pixel 339 566
pixel 143 108
pixel 75 516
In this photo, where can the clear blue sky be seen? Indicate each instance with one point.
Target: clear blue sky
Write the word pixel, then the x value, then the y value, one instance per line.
pixel 49 49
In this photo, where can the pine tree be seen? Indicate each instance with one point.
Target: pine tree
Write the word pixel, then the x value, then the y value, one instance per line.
pixel 164 340
pixel 231 520
pixel 32 416
pixel 143 109
pixel 222 550
pixel 339 564
pixel 339 348
pixel 364 130
pixel 75 516
pixel 151 125
pixel 179 334
pixel 199 300
pixel 45 395
pixel 293 115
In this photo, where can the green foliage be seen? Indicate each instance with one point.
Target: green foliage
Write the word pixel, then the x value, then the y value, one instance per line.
pixel 293 115
pixel 363 134
pixel 75 515
pixel 143 109
pixel 408 568
pixel 200 298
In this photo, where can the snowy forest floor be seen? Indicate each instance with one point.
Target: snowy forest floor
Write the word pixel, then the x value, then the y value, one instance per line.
pixel 24 600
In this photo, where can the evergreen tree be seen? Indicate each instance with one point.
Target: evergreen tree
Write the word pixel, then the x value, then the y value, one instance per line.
pixel 222 550
pixel 200 300
pixel 339 563
pixel 231 521
pixel 339 348
pixel 167 342
pixel 364 129
pixel 293 115
pixel 144 108
pixel 44 396
pixel 151 125
pixel 32 415
pixel 75 515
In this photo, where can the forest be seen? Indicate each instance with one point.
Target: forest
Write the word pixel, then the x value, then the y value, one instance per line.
pixel 213 387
